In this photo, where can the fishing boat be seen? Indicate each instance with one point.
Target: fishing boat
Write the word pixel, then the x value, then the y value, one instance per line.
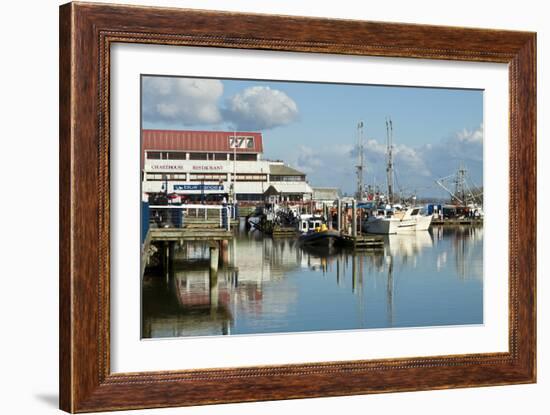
pixel 383 215
pixel 308 222
pixel 391 220
pixel 321 236
pixel 466 197
pixel 423 219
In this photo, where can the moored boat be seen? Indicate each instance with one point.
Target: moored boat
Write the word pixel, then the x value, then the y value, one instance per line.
pixel 321 236
pixel 389 221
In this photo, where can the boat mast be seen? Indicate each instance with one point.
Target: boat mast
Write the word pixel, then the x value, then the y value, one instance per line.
pixel 441 182
pixel 463 193
pixel 361 161
pixel 460 184
pixel 389 155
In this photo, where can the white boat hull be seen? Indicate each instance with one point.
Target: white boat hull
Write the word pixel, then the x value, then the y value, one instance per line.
pixel 423 222
pixel 385 226
pixel 390 226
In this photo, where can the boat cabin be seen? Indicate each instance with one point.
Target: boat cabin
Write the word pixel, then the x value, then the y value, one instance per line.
pixel 308 223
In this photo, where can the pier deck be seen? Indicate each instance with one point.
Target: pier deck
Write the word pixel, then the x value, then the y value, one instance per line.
pixel 191 222
pixel 462 221
pixel 283 231
pixel 189 234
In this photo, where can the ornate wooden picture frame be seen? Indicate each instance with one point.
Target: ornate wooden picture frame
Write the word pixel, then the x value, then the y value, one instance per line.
pixel 87 32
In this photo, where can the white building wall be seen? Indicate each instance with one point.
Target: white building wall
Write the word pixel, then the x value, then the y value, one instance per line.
pixel 188 167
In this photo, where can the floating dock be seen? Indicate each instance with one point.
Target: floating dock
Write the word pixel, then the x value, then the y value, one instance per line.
pixel 283 231
pixel 458 221
pixel 360 242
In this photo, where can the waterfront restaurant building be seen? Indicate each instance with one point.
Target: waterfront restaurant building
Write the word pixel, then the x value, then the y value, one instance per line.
pixel 200 166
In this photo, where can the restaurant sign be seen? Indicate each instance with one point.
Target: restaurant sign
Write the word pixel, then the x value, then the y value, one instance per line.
pixel 210 187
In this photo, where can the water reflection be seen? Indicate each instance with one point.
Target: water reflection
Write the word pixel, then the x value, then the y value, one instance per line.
pixel 266 285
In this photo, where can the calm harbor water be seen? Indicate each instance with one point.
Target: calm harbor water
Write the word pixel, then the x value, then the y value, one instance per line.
pixel 264 285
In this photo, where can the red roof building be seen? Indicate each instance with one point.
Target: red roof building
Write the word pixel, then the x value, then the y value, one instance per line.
pixel 201 141
pixel 200 145
pixel 197 163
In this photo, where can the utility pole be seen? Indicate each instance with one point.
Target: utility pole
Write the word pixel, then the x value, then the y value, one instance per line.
pixel 232 196
pixel 389 155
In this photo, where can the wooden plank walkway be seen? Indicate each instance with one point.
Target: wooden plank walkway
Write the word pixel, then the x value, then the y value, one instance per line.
pixel 191 222
pixel 462 221
pixel 283 232
pixel 189 234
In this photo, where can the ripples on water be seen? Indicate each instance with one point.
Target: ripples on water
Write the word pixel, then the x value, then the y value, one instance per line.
pixel 264 285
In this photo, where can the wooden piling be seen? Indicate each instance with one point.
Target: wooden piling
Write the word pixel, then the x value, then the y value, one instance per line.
pixel 354 218
pixel 224 252
pixel 214 259
pixel 339 216
pixel 353 273
pixel 166 260
pixel 214 292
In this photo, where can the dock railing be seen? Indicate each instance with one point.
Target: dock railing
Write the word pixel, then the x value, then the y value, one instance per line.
pixel 179 216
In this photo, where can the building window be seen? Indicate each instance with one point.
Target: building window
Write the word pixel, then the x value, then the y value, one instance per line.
pixel 220 156
pixel 276 178
pixel 153 155
pixel 166 176
pixel 249 197
pixel 244 156
pixel 198 156
pixel 176 155
pixel 251 177
pixel 212 177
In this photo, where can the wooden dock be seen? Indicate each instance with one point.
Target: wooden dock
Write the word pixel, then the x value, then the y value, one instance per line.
pixel 197 223
pixel 189 234
pixel 193 223
pixel 360 242
pixel 162 241
pixel 283 231
pixel 458 221
pixel 182 224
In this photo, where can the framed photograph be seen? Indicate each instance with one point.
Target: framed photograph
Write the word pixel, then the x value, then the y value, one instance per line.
pixel 258 207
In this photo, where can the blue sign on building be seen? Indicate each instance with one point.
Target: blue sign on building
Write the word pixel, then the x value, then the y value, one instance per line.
pixel 211 187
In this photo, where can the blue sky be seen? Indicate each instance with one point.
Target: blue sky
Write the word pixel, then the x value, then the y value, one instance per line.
pixel 313 126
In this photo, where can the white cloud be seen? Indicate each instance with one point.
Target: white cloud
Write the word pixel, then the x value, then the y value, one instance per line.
pixel 463 145
pixel 416 168
pixel 193 101
pixel 413 159
pixel 407 158
pixel 307 159
pixel 260 108
pixel 471 136
pixel 183 101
